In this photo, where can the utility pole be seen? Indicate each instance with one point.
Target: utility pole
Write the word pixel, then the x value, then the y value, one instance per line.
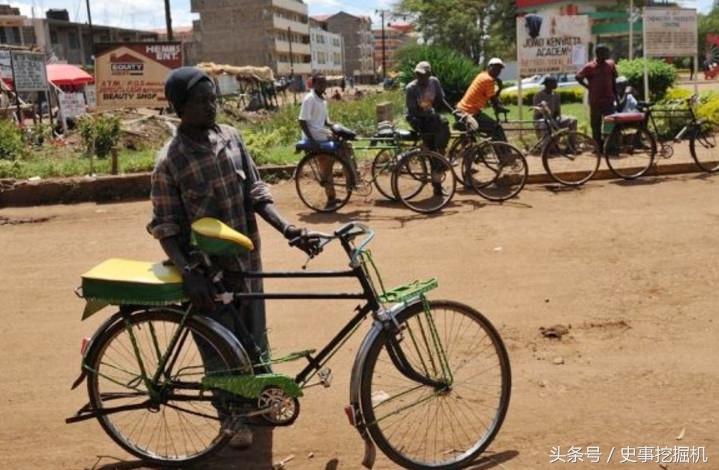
pixel 292 64
pixel 384 56
pixel 168 20
pixel 92 32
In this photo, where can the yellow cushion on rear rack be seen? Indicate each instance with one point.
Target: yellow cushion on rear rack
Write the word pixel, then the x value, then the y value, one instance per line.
pixel 216 238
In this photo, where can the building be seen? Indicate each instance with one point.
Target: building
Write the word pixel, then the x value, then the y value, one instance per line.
pixel 356 32
pixel 254 32
pixel 396 36
pixel 60 38
pixel 327 50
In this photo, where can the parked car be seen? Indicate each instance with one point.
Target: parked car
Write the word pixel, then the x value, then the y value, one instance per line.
pixel 535 81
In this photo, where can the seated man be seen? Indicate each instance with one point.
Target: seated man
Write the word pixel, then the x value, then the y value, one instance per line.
pixel 626 102
pixel 554 103
pixel 315 124
pixel 424 98
pixel 483 90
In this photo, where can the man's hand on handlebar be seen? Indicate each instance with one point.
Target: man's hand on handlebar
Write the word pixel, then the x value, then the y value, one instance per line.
pixel 310 243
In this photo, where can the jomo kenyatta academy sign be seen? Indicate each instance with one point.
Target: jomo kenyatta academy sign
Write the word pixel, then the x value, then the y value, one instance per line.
pixel 133 74
pixel 552 43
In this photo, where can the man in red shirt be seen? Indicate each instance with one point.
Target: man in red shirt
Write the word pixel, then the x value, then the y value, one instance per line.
pixel 599 77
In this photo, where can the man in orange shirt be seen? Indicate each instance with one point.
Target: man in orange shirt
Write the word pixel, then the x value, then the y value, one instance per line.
pixel 483 90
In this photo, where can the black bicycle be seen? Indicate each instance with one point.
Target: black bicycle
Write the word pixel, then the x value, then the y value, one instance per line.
pixel 430 383
pixel 634 141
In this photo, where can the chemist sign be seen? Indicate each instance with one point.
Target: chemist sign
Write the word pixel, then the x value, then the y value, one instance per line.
pixel 548 43
pixel 132 75
pixel 670 32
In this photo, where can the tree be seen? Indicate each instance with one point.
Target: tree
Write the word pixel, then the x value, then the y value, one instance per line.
pixel 478 29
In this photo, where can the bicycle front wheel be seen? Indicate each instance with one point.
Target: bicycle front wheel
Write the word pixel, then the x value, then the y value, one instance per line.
pixel 630 151
pixel 324 182
pixel 703 147
pixel 179 423
pixel 446 427
pixel 571 158
pixel 497 170
pixel 382 167
pixel 423 181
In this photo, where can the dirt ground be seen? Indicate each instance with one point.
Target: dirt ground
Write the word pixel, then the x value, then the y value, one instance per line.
pixel 630 268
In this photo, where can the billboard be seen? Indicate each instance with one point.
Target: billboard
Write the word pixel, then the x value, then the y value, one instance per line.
pixel 548 43
pixel 132 75
pixel 28 71
pixel 670 32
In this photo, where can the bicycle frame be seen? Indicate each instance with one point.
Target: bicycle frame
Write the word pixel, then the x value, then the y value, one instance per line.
pixel 373 305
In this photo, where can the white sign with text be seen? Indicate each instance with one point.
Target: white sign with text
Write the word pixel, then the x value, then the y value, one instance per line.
pixel 670 32
pixel 550 43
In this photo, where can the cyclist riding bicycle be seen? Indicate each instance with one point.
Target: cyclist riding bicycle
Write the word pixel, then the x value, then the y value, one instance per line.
pixel 484 89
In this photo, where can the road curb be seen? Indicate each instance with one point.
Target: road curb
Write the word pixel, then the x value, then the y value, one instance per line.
pixel 137 186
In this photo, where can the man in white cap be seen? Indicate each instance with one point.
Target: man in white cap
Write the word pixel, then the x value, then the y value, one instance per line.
pixel 484 89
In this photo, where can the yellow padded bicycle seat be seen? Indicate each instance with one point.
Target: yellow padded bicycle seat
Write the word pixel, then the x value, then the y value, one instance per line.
pixel 216 238
pixel 121 281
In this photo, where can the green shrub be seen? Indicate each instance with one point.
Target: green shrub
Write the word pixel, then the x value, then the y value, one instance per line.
pixel 12 145
pixel 662 76
pixel 454 70
pixel 99 133
pixel 567 95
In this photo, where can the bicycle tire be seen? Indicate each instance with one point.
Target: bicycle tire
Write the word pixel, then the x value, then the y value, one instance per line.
pixel 103 359
pixel 703 147
pixel 571 158
pixel 497 171
pixel 423 181
pixel 316 193
pixel 382 168
pixel 630 151
pixel 463 330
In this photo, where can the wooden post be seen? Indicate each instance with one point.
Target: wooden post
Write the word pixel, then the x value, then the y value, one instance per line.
pixel 113 155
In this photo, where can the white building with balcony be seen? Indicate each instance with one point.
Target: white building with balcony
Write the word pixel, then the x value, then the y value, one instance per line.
pixel 327 50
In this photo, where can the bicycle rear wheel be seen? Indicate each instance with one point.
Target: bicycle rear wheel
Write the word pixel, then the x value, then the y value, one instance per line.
pixel 630 151
pixel 423 181
pixel 382 167
pixel 180 424
pixel 703 147
pixel 497 170
pixel 571 158
pixel 324 182
pixel 423 427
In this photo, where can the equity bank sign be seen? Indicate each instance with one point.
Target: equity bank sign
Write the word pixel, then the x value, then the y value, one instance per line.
pixel 126 65
pixel 132 75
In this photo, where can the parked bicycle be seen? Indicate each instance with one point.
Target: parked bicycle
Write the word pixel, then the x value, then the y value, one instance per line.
pixel 430 385
pixel 420 179
pixel 634 141
pixel 496 171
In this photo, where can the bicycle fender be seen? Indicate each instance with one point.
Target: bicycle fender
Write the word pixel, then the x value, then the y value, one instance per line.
pixel 385 320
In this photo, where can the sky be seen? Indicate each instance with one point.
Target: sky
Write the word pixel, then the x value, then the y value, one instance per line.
pixel 149 14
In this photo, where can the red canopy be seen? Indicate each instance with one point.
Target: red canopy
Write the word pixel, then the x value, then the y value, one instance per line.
pixel 66 74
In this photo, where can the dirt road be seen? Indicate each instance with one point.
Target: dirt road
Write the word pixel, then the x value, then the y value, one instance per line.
pixel 631 267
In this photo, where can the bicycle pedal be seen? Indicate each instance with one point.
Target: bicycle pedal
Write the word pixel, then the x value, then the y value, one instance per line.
pixel 325 376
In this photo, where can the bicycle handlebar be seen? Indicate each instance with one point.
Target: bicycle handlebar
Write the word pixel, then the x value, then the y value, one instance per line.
pixel 346 233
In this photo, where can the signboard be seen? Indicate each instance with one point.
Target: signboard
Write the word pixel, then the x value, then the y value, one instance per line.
pixel 132 75
pixel 29 73
pixel 670 32
pixel 5 65
pixel 549 43
pixel 72 104
pixel 90 96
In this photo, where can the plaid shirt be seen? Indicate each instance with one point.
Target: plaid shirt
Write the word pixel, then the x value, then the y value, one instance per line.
pixel 192 180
